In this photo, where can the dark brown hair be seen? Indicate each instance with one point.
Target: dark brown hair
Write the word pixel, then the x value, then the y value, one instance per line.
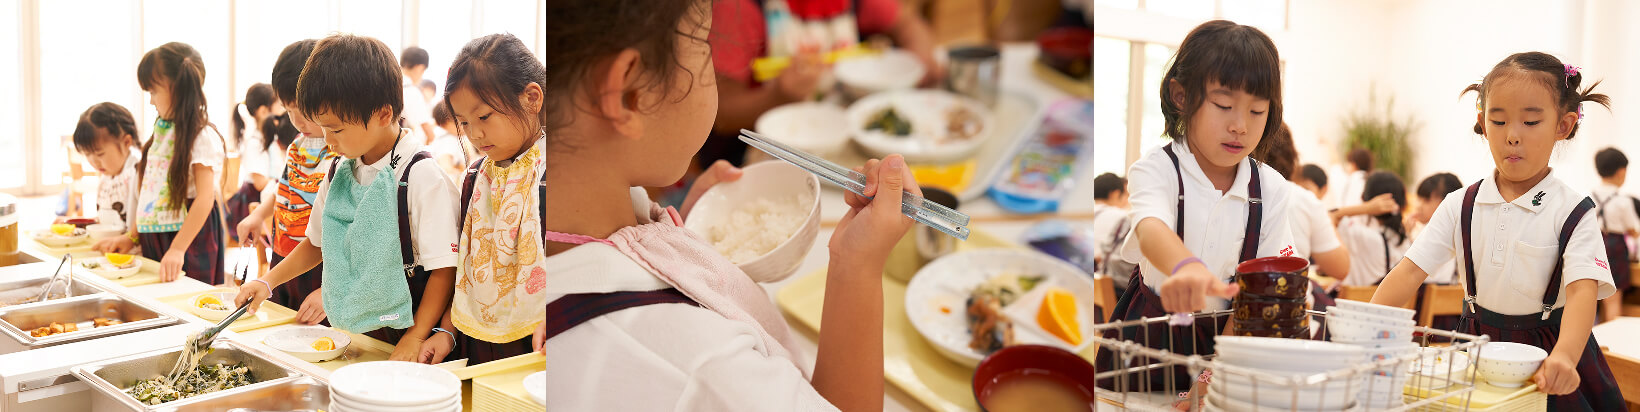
pixel 112 118
pixel 1278 152
pixel 1361 159
pixel 260 95
pixel 183 70
pixel 413 56
pixel 498 68
pixel 352 77
pixel 287 70
pixel 441 113
pixel 1236 56
pixel 581 34
pixel 1561 80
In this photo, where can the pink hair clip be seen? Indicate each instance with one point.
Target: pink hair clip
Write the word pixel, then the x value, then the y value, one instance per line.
pixel 1570 71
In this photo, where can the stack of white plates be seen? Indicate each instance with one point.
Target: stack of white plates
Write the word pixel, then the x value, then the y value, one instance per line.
pixel 390 386
pixel 1386 333
pixel 1283 357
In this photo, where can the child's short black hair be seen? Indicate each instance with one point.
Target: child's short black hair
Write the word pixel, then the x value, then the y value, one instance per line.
pixel 1438 185
pixel 351 77
pixel 429 85
pixel 441 114
pixel 413 56
pixel 1609 161
pixel 287 71
pixel 112 118
pixel 1314 174
pixel 1106 184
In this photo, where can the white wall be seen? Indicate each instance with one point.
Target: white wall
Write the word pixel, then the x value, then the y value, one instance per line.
pixel 1423 52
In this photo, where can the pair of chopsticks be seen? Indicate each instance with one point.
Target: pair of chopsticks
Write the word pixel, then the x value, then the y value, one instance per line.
pixel 934 215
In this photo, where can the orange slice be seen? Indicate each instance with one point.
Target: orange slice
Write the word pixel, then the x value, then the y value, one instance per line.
pixel 1058 316
pixel 62 229
pixel 118 259
pixel 207 300
pixel 324 344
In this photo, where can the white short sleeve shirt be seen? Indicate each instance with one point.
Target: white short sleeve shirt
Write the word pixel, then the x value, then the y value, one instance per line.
pixel 1312 228
pixel 1374 249
pixel 1215 221
pixel 1515 245
pixel 1616 210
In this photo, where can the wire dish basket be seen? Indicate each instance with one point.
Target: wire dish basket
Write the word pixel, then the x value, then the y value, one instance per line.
pixel 1150 365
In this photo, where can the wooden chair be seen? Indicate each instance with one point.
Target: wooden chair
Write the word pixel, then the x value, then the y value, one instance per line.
pixel 1440 300
pixel 1357 293
pixel 1104 289
pixel 1627 372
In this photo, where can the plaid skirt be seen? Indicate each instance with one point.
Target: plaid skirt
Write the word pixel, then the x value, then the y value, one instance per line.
pixel 1597 390
pixel 479 351
pixel 203 261
pixel 292 293
pixel 239 206
pixel 418 284
pixel 1139 302
pixel 1617 253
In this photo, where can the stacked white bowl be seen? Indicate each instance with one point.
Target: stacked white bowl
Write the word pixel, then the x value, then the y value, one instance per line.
pixel 1385 332
pixel 1281 357
pixel 392 386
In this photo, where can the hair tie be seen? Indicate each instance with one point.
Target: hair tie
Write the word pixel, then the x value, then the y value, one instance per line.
pixel 1567 80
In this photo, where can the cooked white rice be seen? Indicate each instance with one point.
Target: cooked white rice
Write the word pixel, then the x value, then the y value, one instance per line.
pixel 756 228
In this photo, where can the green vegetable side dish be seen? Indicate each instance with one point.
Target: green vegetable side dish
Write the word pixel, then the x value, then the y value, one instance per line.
pixel 890 122
pixel 202 380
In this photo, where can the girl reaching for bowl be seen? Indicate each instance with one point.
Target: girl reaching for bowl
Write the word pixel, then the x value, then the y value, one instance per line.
pixel 1535 277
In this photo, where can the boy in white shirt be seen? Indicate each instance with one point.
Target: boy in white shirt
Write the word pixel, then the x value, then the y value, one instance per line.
pixel 1110 206
pixel 418 116
pixel 1618 219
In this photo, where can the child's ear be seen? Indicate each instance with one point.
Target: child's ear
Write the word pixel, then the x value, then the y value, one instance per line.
pixel 1480 119
pixel 1568 121
pixel 532 98
pixel 615 98
pixel 1175 91
pixel 384 117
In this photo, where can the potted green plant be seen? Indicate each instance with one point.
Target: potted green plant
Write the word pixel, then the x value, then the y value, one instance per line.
pixel 1378 130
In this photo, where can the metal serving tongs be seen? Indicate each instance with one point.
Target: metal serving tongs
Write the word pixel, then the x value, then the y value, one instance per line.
pixel 69 284
pixel 934 215
pixel 208 336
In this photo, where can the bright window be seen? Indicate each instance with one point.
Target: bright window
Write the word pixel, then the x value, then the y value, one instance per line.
pixel 1110 96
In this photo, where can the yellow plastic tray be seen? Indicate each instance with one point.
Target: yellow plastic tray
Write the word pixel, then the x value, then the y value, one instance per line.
pixel 503 390
pixel 27 240
pixel 909 361
pixel 368 350
pixel 269 314
pixel 1486 397
pixel 148 275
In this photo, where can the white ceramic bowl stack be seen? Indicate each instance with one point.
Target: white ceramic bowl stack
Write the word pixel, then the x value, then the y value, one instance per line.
pixel 1283 357
pixel 1384 332
pixel 392 386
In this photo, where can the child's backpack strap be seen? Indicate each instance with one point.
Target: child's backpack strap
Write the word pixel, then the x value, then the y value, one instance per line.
pixel 405 251
pixel 467 196
pixel 574 309
pixel 471 176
